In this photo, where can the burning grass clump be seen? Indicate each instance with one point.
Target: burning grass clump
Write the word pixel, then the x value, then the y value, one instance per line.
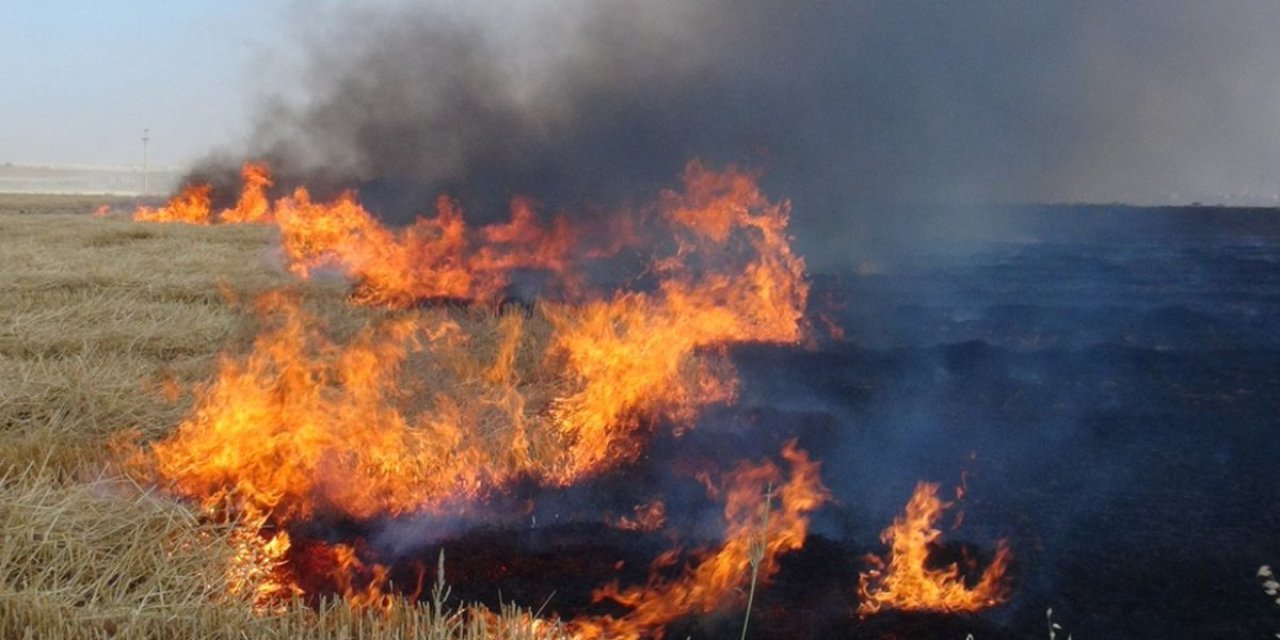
pixel 320 411
pixel 104 328
pixel 103 557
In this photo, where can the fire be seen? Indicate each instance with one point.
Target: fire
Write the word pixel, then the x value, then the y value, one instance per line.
pixel 430 409
pixel 322 408
pixel 906 581
pixel 271 429
pixel 718 579
pixel 193 205
pixel 257 568
pixel 253 205
pixel 436 409
pixel 435 257
pixel 645 517
pixel 628 352
pixel 190 206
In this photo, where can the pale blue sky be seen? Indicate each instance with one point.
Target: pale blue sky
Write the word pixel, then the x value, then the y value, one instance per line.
pixel 82 78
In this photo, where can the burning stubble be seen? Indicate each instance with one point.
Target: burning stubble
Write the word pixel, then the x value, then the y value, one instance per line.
pixel 433 414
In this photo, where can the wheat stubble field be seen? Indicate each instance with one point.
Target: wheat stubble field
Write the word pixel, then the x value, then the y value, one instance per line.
pixel 105 325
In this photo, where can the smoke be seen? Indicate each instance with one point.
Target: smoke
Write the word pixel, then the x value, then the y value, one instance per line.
pixel 847 107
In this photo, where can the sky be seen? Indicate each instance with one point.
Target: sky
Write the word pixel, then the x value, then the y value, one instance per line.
pixel 83 78
pixel 1143 101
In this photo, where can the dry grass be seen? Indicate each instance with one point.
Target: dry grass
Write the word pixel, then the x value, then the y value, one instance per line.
pixel 96 314
pixel 67 203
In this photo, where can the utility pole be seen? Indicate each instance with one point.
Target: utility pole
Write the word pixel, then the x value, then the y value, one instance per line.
pixel 146 186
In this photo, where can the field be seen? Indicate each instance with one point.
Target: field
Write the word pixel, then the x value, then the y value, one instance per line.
pixel 100 318
pixel 1104 386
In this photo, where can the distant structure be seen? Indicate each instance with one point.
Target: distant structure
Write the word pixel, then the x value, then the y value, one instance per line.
pixel 146 137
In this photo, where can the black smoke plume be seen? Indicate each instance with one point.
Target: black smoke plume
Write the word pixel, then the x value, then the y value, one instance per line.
pixel 853 109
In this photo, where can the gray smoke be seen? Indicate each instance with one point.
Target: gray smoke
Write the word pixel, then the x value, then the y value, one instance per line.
pixel 848 107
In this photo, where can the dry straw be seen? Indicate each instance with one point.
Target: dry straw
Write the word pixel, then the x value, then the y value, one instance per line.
pixel 99 317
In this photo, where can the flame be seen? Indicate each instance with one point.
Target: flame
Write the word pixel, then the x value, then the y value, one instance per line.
pixel 429 409
pixel 906 582
pixel 301 408
pixel 361 584
pixel 253 206
pixel 645 517
pixel 717 580
pixel 628 352
pixel 433 258
pixel 436 257
pixel 257 569
pixel 191 206
pixel 756 532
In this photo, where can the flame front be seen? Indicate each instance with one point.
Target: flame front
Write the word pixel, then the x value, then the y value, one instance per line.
pixel 428 408
pixel 906 582
pixel 194 204
pixel 190 206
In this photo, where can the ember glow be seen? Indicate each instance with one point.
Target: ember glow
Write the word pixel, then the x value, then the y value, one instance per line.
pixel 434 412
pixel 907 581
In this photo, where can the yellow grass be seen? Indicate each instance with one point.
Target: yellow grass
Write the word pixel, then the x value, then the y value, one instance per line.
pixel 96 316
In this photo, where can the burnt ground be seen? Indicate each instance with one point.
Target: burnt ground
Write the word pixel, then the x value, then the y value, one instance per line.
pixel 1104 382
pixel 1108 384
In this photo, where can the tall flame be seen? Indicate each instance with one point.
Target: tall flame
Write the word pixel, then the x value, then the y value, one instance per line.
pixel 628 351
pixel 252 207
pixel 907 582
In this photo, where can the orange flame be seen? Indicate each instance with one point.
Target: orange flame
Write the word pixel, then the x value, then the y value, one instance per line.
pixel 434 257
pixel 301 408
pixel 628 352
pixel 427 408
pixel 717 580
pixel 645 517
pixel 193 205
pixel 257 567
pixel 426 260
pixel 906 581
pixel 190 206
pixel 252 206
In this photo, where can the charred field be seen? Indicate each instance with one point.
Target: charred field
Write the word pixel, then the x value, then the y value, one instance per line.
pixel 1095 387
pixel 1109 381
